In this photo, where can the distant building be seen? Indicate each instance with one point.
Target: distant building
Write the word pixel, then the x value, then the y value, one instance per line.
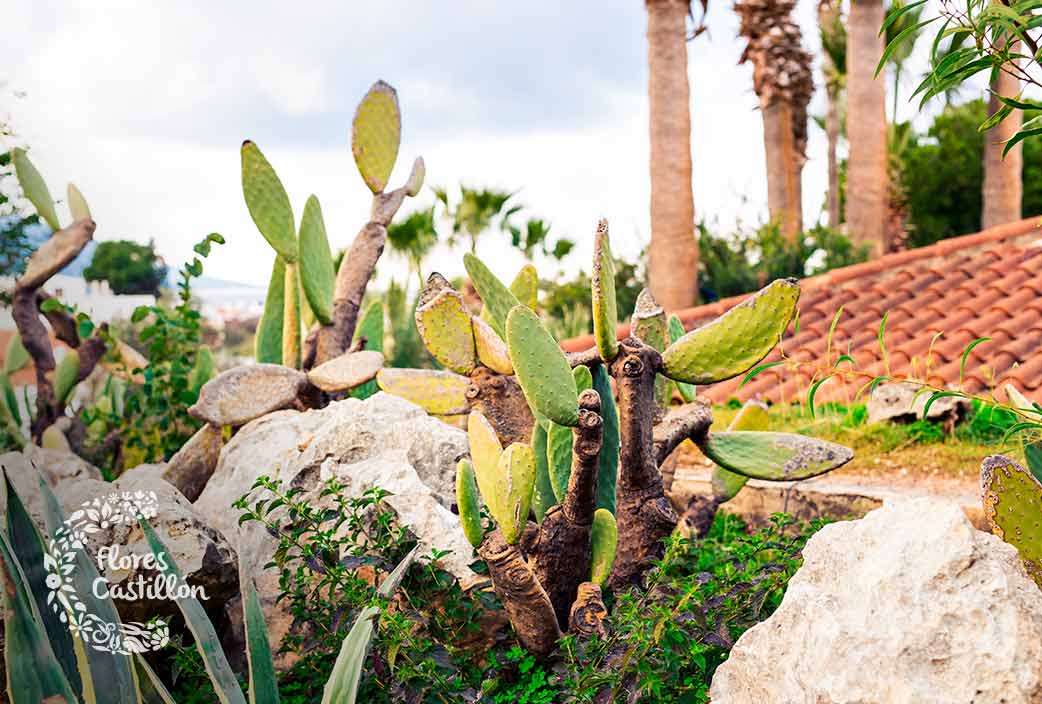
pixel 94 298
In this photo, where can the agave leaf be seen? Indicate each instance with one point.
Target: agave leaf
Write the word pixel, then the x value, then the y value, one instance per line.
pixel 207 643
pixel 267 202
pixel 34 188
pixel 77 203
pixel 735 341
pixel 676 331
pixel 514 485
pixel 468 503
pixel 491 349
pixel 150 688
pixel 33 673
pixel 264 688
pixel 602 284
pixel 9 400
pixel 444 324
pixel 437 392
pixel 371 327
pixel 604 539
pixel 608 466
pixel 317 276
pixel 485 451
pixel 774 456
pixel 376 133
pixel 525 286
pixel 268 343
pixel 541 367
pixel 752 416
pixel 16 356
pixel 543 494
pixel 498 299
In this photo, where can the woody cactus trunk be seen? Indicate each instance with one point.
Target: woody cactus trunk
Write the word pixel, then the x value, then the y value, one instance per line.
pixel 582 466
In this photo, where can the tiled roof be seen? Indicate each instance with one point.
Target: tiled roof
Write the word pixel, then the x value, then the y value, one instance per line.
pixel 938 299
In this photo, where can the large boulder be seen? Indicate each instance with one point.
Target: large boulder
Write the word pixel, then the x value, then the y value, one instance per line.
pixel 383 441
pixel 57 467
pixel 909 604
pixel 905 401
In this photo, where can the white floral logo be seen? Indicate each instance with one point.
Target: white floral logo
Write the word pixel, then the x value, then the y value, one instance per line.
pixel 66 548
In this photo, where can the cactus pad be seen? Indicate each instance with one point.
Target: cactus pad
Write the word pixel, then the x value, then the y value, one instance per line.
pixel 444 324
pixel 439 393
pixel 267 345
pixel 376 133
pixel 35 188
pixel 468 503
pixel 525 286
pixel 602 284
pixel 237 396
pixel 416 177
pixel 774 456
pixel 65 375
pixel 560 440
pixel 371 327
pixel 317 276
pixel 735 341
pixel 498 299
pixel 543 494
pixel 604 539
pixel 1013 507
pixel 676 331
pixel 77 203
pixel 514 484
pixel 346 371
pixel 491 350
pixel 649 326
pixel 55 253
pixel 16 356
pixel 752 416
pixel 608 465
pixel 485 450
pixel 267 202
pixel 541 367
pixel 1032 443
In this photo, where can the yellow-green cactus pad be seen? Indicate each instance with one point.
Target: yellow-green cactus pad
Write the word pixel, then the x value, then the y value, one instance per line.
pixel 54 439
pixel 437 392
pixel 543 494
pixel 65 375
pixel 416 177
pixel 560 440
pixel 444 324
pixel 317 276
pixel 515 481
pixel 34 188
pixel 541 368
pixel 525 286
pixel 602 285
pixel 16 356
pixel 267 202
pixel 468 503
pixel 774 456
pixel 267 345
pixel 485 450
pixel 1013 507
pixel 376 133
pixel 752 416
pixel 492 351
pixel 498 299
pixel 736 340
pixel 77 203
pixel 676 331
pixel 604 539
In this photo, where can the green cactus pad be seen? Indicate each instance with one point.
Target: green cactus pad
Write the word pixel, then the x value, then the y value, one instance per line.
pixel 491 350
pixel 514 484
pixel 267 345
pixel 376 133
pixel 543 494
pixel 8 400
pixel 1031 442
pixel 774 456
pixel 77 203
pixel 439 393
pixel 485 450
pixel 752 416
pixel 1013 507
pixel 16 356
pixel 525 286
pixel 34 188
pixel 608 464
pixel 317 276
pixel 604 540
pixel 560 439
pixel 649 326
pixel 65 375
pixel 676 331
pixel 444 324
pixel 371 327
pixel 735 341
pixel 541 367
pixel 416 177
pixel 291 318
pixel 602 286
pixel 498 299
pixel 468 503
pixel 267 202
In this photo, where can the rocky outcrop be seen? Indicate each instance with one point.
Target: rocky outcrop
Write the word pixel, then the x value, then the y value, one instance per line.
pixel 905 401
pixel 909 604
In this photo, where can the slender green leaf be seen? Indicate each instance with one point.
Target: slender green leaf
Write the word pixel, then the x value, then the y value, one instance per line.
pixel 264 688
pixel 966 353
pixel 892 46
pixel 758 370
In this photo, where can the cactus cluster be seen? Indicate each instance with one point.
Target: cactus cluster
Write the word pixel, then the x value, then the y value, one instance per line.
pixel 550 442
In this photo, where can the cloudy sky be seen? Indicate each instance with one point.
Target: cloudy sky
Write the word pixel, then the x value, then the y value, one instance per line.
pixel 144 104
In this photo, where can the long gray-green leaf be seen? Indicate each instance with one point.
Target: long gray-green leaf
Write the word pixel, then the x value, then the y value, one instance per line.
pixel 151 688
pixel 264 688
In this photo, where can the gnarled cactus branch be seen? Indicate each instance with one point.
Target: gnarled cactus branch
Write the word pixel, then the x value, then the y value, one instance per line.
pixel 691 420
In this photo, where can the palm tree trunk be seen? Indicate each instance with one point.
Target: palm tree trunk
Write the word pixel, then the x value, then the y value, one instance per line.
pixel 784 164
pixel 832 133
pixel 866 128
pixel 673 255
pixel 1003 188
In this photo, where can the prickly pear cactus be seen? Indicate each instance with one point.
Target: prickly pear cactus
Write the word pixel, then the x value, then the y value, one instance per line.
pixel 604 540
pixel 444 325
pixel 605 308
pixel 376 134
pixel 541 367
pixel 774 456
pixel 1012 500
pixel 498 299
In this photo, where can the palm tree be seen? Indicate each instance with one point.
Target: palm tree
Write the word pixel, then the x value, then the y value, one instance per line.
pixel 903 51
pixel 413 238
pixel 1003 187
pixel 783 82
pixel 866 205
pixel 673 254
pixel 478 210
pixel 834 66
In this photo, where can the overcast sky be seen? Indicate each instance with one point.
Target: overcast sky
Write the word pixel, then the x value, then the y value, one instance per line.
pixel 144 105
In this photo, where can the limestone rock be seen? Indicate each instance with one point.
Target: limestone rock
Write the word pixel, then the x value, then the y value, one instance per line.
pixel 909 604
pixel 894 402
pixel 56 466
pixel 193 465
pixel 346 371
pixel 239 395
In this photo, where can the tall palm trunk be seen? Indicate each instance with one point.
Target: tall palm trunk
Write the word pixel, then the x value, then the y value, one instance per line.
pixel 673 255
pixel 866 127
pixel 834 67
pixel 783 82
pixel 1003 188
pixel 832 134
